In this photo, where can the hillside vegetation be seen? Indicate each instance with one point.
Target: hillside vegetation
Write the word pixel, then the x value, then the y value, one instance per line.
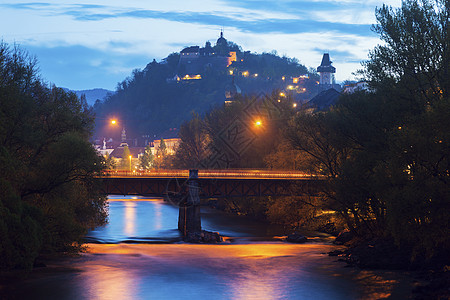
pixel 151 100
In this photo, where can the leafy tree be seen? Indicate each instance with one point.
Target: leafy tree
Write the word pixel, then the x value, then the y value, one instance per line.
pixel 386 152
pixel 411 71
pixel 193 149
pixel 162 159
pixel 146 160
pixel 109 162
pixel 163 147
pixel 49 196
pixel 204 142
pixel 285 157
pixel 126 161
pixel 414 60
pixel 137 98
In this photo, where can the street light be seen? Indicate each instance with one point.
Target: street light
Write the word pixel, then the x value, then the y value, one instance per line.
pixel 113 122
pixel 258 123
pixel 130 162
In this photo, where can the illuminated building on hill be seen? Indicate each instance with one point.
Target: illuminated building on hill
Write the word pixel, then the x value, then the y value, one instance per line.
pixel 195 59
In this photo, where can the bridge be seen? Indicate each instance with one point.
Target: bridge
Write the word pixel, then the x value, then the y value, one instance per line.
pixel 211 183
pixel 186 187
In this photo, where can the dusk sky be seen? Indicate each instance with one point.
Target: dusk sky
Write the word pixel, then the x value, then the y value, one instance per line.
pixel 96 44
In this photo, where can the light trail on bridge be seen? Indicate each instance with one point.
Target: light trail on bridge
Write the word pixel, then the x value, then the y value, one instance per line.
pixel 219 174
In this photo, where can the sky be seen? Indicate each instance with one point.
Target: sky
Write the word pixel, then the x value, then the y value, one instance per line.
pixel 98 43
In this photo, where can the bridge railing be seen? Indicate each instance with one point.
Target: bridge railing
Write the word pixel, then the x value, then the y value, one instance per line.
pixel 237 173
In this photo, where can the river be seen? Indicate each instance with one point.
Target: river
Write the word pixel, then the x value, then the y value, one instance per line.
pixel 139 255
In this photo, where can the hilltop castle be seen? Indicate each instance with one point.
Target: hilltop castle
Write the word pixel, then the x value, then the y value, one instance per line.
pixel 194 59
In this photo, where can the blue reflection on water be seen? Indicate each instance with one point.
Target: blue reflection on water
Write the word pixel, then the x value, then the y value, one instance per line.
pixel 147 269
pixel 138 219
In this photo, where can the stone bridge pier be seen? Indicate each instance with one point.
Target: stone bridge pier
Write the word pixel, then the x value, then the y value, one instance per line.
pixel 189 220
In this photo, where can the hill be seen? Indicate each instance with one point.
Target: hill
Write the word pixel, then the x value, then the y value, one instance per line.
pixel 164 94
pixel 92 95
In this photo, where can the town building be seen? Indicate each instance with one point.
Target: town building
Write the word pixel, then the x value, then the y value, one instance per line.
pixel 355 87
pixel 171 140
pixel 116 153
pixel 324 100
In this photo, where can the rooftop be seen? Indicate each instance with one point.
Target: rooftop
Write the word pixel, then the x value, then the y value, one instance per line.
pixel 326 66
pixel 325 99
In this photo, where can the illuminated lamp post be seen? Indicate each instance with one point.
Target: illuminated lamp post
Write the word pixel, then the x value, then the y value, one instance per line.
pixel 258 126
pixel 130 162
pixel 112 125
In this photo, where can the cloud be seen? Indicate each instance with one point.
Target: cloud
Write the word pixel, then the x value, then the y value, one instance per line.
pixel 79 68
pixel 252 18
pixel 104 42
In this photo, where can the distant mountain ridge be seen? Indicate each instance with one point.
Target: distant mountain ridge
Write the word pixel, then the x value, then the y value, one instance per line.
pixel 92 95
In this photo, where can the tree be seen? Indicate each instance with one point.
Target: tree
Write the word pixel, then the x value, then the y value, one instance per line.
pixel 411 71
pixel 415 57
pixel 126 161
pixel 109 162
pixel 49 195
pixel 146 160
pixel 193 149
pixel 234 139
pixel 161 154
pixel 138 97
pixel 163 147
pixel 387 151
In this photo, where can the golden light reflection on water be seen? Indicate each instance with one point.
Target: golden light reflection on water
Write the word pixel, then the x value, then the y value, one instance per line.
pixel 250 251
pixel 134 199
pixel 253 275
pixel 110 282
pixel 260 270
pixel 381 285
pixel 158 216
pixel 130 218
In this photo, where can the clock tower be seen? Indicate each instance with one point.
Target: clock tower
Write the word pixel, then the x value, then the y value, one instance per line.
pixel 326 70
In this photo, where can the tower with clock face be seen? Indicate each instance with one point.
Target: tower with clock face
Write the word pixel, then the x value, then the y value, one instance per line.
pixel 326 70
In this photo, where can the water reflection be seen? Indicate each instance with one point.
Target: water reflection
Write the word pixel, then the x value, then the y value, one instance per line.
pixel 237 270
pixel 138 219
pixel 106 282
pixel 158 216
pixel 245 271
pixel 130 218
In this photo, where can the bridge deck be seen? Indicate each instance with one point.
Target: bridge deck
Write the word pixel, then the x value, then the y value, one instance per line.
pixel 212 183
pixel 218 174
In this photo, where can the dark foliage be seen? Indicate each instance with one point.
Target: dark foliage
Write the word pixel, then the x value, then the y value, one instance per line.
pixel 48 194
pixel 150 101
pixel 386 152
pixel 229 136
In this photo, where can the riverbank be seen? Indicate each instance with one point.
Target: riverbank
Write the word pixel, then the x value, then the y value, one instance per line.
pixel 431 279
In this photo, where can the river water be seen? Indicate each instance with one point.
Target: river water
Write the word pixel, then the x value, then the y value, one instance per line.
pixel 139 255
